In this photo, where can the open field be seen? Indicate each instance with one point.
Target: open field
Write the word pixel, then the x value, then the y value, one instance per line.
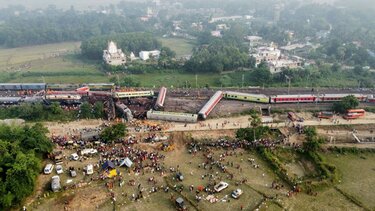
pixel 15 56
pixel 329 200
pixel 175 79
pixel 358 178
pixel 182 47
pixel 51 63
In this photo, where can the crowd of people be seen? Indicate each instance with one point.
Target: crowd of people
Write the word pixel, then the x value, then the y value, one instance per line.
pixel 195 146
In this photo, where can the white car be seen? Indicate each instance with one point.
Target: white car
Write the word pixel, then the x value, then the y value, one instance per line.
pixel 90 151
pixel 48 169
pixel 55 183
pixel 221 186
pixel 59 169
pixel 236 193
pixel 74 156
pixel 89 169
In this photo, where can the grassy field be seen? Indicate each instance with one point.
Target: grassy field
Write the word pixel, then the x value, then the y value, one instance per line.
pixel 12 57
pixel 175 79
pixel 358 176
pixel 52 63
pixel 182 47
pixel 329 200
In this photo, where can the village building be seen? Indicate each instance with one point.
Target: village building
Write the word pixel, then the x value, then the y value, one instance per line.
pixel 114 56
pixel 274 59
pixel 266 54
pixel 146 55
pixel 278 65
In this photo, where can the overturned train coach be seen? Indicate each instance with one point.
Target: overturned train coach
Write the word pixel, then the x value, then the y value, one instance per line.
pixel 133 94
pixel 161 98
pixel 210 105
pixel 172 116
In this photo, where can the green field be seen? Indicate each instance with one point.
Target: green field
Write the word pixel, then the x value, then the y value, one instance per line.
pixel 175 79
pixel 358 176
pixel 182 47
pixel 13 57
pixel 51 63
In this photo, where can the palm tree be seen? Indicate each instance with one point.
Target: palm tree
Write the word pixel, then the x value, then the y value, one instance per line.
pixel 255 122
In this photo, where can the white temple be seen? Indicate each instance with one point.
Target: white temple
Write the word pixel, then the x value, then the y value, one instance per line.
pixel 113 56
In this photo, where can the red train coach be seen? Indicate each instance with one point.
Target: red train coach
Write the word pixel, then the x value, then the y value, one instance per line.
pixel 292 99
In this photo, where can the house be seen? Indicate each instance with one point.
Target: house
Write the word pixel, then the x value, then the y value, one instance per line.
pixel 222 27
pixel 146 55
pixel 216 33
pixel 266 54
pixel 254 40
pixel 114 56
pixel 278 65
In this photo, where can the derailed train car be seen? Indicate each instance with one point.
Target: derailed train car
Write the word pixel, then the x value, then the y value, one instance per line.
pixel 99 86
pixel 133 94
pixel 210 105
pixel 172 116
pixel 64 98
pixel 10 86
pixel 10 100
pixel 161 98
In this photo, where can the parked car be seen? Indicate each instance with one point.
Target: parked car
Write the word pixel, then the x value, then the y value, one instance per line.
pixel 48 168
pixel 180 204
pixel 73 172
pixel 221 186
pixel 55 183
pixel 236 193
pixel 89 151
pixel 59 169
pixel 89 169
pixel 74 156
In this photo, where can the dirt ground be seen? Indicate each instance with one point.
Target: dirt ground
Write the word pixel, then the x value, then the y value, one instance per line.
pixel 93 194
pixel 63 128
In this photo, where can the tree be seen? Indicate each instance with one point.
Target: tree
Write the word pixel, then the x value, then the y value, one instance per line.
pixel 19 163
pixel 98 110
pixel 56 108
pixel 85 110
pixel 348 102
pixel 312 142
pixel 36 139
pixel 261 74
pixel 113 132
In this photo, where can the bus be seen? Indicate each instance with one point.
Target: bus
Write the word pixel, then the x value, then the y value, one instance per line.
pixel 354 113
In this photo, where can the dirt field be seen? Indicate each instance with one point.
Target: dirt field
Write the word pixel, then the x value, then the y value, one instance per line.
pixel 92 193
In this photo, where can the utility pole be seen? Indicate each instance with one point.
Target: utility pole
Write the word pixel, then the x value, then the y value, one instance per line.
pixel 243 79
pixel 288 79
pixel 196 81
pixel 196 84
